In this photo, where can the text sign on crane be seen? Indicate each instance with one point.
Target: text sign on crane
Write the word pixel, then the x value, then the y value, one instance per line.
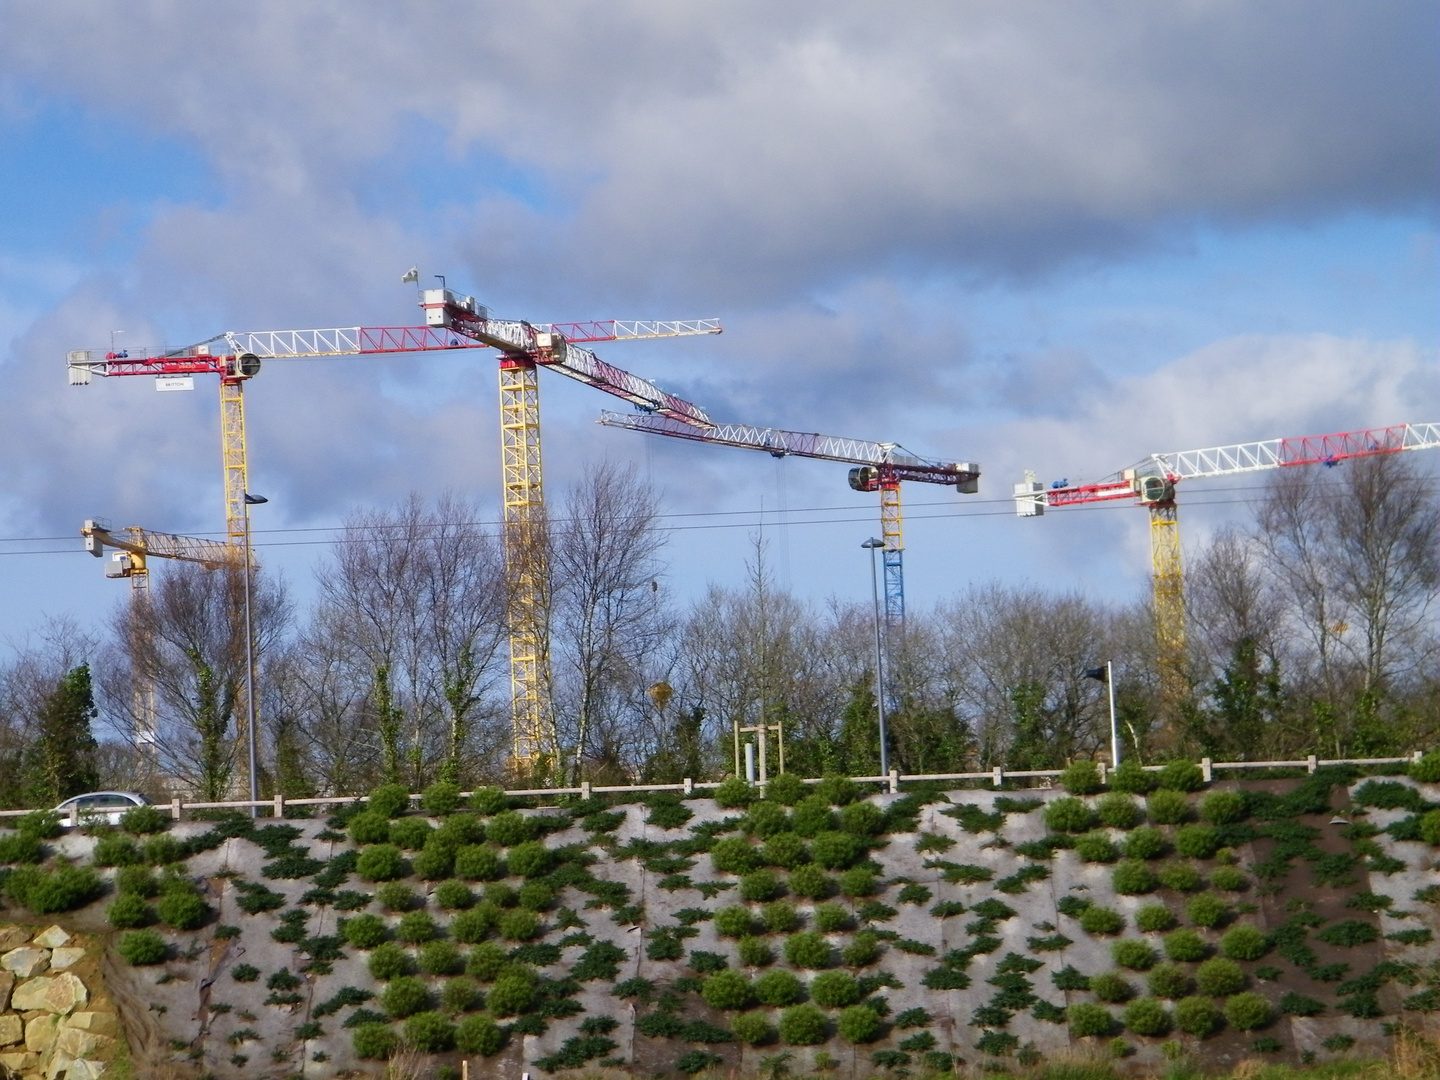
pixel 174 382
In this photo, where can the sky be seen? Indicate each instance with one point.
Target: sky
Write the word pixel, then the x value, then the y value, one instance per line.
pixel 1048 236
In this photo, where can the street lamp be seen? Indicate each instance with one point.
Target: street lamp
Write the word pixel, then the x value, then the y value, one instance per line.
pixel 875 545
pixel 1104 675
pixel 250 500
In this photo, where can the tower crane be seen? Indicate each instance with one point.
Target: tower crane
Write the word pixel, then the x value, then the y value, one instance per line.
pixel 453 321
pixel 1152 483
pixel 877 467
pixel 130 560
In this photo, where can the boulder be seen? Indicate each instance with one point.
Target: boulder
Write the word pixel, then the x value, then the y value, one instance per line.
pixel 25 961
pixel 40 1033
pixel 12 1030
pixel 75 1043
pixel 11 936
pixel 51 938
pixel 63 993
pixel 62 958
pixel 7 983
pixel 20 1062
pixel 102 1023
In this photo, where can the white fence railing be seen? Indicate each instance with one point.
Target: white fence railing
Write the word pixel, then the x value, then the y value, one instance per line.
pixel 996 776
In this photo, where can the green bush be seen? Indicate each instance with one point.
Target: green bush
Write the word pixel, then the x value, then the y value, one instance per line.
pixel 859 1024
pixel 430 1033
pixel 142 947
pixel 479 1035
pixel 808 949
pixel 1119 811
pixel 786 789
pixel 381 862
pixel 736 921
pixel 416 927
pixel 1146 1016
pixel 811 882
pixel 754 952
pixel 1131 778
pixel 1427 769
pixel 1349 933
pixel 834 990
pixel 831 918
pixel 858 881
pixel 510 995
pixel 1146 842
pixel 536 896
pixel 375 1041
pixel 405 996
pixel 778 988
pixel 863 950
pixel 1430 827
pixel 397 896
pixel 489 800
pixel 1097 847
pixel 434 862
pixel 364 931
pixel 389 961
pixel 1182 776
pixel 734 855
pixel 1111 987
pixel 1170 980
pixel 760 885
pixel 1247 1012
pixel 112 849
pixel 144 819
pixel 862 819
pixel 182 909
pixel 530 859
pixel 1224 807
pixel 1101 921
pixel 486 961
pixel 478 862
pixel 780 917
pixel 1167 807
pixel 1180 876
pixel 129 911
pixel 785 850
pixel 727 990
pixel 1197 1016
pixel 735 793
pixel 1154 918
pixel 1244 942
pixel 1132 877
pixel 46 892
pixel 1207 910
pixel 812 816
pixel 1185 946
pixel 837 790
pixel 1069 815
pixel 520 925
pixel 245 973
pixel 369 827
pixel 1198 841
pixel 836 850
pixel 441 799
pixel 752 1029
pixel 440 958
pixel 163 850
pixel 1089 1019
pixel 39 824
pixel 1081 778
pixel 509 828
pixel 803 1025
pixel 410 833
pixel 389 800
pixel 24 848
pixel 1229 879
pixel 476 924
pixel 766 819
pixel 1219 977
pixel 1134 954
pixel 453 895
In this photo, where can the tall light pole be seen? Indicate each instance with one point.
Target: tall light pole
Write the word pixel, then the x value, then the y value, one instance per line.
pixel 250 742
pixel 1104 675
pixel 875 545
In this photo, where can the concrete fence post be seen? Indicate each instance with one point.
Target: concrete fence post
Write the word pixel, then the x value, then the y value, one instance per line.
pixel 177 809
pixel 584 789
pixel 1206 770
pixel 279 805
pixel 1415 757
pixel 894 781
pixel 689 786
pixel 1310 763
pixel 997 776
pixel 1102 771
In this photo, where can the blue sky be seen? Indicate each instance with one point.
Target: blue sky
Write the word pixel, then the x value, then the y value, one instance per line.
pixel 1036 235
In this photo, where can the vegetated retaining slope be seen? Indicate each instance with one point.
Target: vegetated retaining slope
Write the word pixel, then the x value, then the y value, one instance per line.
pixel 860 934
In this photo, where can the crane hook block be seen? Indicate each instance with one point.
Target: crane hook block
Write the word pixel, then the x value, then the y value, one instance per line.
pixel 865 478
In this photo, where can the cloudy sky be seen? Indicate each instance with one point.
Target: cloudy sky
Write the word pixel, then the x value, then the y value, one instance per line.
pixel 1040 235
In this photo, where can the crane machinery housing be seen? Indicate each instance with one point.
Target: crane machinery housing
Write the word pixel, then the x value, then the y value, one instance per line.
pixel 1152 484
pixel 877 467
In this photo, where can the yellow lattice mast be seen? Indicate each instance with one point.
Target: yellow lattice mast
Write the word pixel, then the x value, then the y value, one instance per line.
pixel 527 566
pixel 1167 579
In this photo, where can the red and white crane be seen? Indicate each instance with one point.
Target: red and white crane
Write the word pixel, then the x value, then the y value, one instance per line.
pixel 878 467
pixel 1152 484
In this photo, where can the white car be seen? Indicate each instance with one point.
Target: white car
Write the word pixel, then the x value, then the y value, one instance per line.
pixel 97 806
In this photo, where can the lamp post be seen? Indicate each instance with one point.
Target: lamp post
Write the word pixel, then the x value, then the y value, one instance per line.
pixel 874 545
pixel 1104 675
pixel 250 741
